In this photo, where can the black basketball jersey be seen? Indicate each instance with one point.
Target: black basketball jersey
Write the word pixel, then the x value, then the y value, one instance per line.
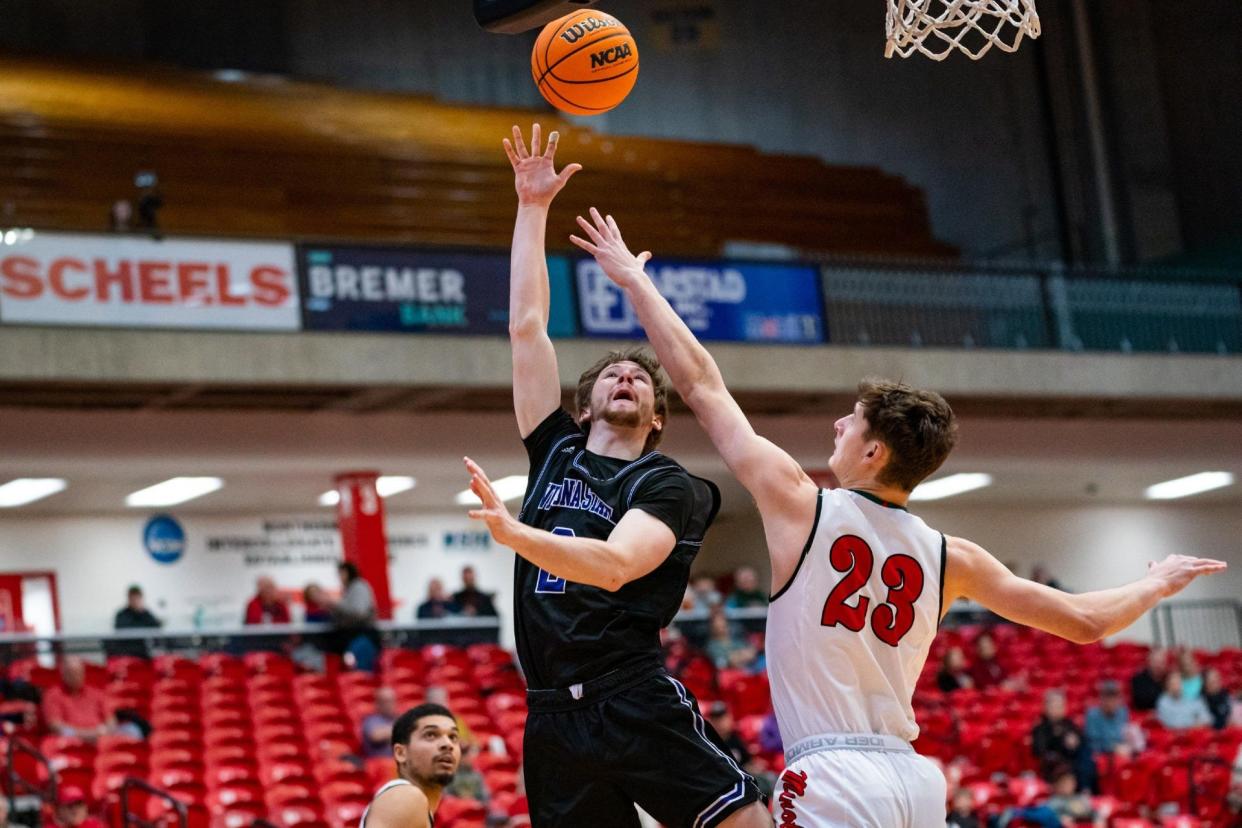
pixel 569 633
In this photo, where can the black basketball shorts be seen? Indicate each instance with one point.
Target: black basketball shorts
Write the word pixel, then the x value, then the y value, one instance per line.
pixel 628 739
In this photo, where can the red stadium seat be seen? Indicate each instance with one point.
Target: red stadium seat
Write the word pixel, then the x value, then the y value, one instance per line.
pixel 225 734
pixel 229 796
pixel 222 665
pixel 222 774
pixel 279 773
pixel 298 816
pixel 228 755
pixel 345 814
pixel 176 738
pixel 345 791
pixel 170 778
pixel 241 815
pixel 381 771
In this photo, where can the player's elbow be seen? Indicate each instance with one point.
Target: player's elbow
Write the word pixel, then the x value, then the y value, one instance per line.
pixel 527 326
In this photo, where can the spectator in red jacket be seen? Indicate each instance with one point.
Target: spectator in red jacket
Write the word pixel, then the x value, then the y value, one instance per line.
pixel 987 670
pixel 71 708
pixel 267 606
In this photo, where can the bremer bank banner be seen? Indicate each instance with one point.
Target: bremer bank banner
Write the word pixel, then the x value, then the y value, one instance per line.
pixel 130 281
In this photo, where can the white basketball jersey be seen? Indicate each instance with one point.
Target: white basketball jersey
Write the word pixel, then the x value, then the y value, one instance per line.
pixel 848 635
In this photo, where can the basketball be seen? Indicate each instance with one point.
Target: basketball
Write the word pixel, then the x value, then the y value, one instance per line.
pixel 586 63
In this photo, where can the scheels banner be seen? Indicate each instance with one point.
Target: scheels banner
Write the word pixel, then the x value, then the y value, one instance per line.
pixel 137 282
pixel 724 301
pixel 418 291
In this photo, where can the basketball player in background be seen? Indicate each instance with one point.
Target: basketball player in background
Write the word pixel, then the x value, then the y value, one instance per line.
pixel 859 585
pixel 426 749
pixel 605 539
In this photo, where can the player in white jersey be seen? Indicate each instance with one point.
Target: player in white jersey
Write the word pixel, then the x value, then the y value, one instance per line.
pixel 860 584
pixel 426 749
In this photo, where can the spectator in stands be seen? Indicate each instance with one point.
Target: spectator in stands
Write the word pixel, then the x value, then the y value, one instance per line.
pixel 1176 711
pixel 468 783
pixel 987 670
pixel 377 726
pixel 134 615
pixel 438 603
pixel 1148 683
pixel 267 606
pixel 722 720
pixel 471 599
pixel 1041 575
pixel 1107 722
pixel 72 708
pixel 318 607
pixel 962 810
pixel 1067 806
pixel 72 811
pixel 953 674
pixel 121 216
pixel 438 695
pixel 1058 743
pixel 1217 699
pixel 354 616
pixel 1192 675
pixel 746 592
pixel 706 595
pixel 725 647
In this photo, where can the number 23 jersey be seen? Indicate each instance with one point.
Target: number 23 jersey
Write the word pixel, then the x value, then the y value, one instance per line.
pixel 849 633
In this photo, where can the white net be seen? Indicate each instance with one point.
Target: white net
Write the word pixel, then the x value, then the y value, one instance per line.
pixel 937 28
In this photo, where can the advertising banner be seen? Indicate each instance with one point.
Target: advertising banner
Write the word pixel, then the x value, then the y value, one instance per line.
pixel 724 301
pixel 407 290
pixel 131 281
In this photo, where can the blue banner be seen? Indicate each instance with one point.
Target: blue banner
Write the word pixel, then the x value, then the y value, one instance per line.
pixel 724 301
pixel 408 290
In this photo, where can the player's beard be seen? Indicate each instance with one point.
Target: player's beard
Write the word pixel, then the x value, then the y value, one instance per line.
pixel 622 417
pixel 443 778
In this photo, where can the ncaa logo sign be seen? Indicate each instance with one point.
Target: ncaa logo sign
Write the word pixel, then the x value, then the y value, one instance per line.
pixel 164 539
pixel 611 55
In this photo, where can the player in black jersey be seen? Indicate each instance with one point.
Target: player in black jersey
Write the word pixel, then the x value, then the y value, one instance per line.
pixel 605 539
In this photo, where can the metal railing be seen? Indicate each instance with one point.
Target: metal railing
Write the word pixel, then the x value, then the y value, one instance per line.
pixel 144 820
pixel 18 786
pixel 1210 624
pixel 1036 306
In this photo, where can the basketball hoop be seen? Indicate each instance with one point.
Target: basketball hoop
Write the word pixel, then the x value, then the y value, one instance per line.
pixel 938 27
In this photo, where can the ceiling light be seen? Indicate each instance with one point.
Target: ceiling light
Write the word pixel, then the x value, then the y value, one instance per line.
pixel 1187 486
pixel 173 491
pixel 25 490
pixel 386 487
pixel 954 484
pixel 508 488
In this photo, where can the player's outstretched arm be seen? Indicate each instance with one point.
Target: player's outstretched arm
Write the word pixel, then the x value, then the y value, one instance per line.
pixel 971 572
pixel 536 379
pixel 637 545
pixel 405 806
pixel 774 479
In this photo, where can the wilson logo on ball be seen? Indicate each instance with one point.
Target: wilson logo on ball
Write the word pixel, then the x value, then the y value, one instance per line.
pixel 576 32
pixel 611 56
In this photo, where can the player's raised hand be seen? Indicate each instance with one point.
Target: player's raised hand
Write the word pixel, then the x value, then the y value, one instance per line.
pixel 1177 571
pixel 609 249
pixel 493 511
pixel 535 176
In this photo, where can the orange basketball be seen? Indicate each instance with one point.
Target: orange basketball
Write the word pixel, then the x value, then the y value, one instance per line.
pixel 585 63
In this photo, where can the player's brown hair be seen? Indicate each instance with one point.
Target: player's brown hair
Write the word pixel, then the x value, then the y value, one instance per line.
pixel 644 359
pixel 917 426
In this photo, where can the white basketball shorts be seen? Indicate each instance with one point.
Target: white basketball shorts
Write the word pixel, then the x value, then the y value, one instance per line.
pixel 858 781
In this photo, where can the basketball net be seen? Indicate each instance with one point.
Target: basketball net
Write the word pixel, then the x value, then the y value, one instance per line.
pixel 937 28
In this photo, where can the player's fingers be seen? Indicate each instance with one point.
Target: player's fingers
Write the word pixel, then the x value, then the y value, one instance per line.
pixel 599 221
pixel 513 159
pixel 585 245
pixel 590 231
pixel 518 143
pixel 477 514
pixel 569 171
pixel 535 134
pixel 550 151
pixel 475 469
pixel 644 257
pixel 612 225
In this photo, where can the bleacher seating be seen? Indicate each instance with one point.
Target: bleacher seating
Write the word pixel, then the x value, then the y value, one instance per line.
pixel 240 739
pixel 279 159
